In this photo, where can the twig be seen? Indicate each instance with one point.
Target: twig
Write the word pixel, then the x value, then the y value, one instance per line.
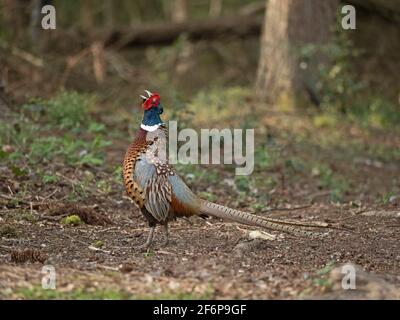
pixel 24 55
pixel 90 247
pixel 312 197
pixel 50 195
pixel 98 249
pixel 72 182
pixel 6 196
pixel 74 239
pixel 6 247
pixel 52 218
pixel 109 268
pixel 9 189
pixel 12 198
pixel 166 252
pixel 108 229
pixel 97 49
pixel 356 214
pixel 71 62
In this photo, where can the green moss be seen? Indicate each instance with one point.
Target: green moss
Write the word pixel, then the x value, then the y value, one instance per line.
pixel 98 244
pixel 325 120
pixel 72 220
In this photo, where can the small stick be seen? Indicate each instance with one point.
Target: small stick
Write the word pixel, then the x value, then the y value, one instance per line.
pixel 98 249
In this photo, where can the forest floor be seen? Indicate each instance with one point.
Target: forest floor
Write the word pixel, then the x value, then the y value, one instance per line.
pixel 62 203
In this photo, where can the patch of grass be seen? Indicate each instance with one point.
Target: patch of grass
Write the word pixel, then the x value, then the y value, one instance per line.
pixel 385 198
pixel 44 149
pixel 258 206
pixel 149 253
pixel 375 112
pixel 333 181
pixel 194 172
pixel 28 135
pixel 18 171
pixel 69 109
pixel 217 104
pixel 210 176
pixel 117 174
pixel 27 216
pixel 295 164
pixel 37 293
pixel 242 183
pixel 49 178
pixel 265 183
pixel 326 269
pixel 325 120
pixel 104 186
pixel 264 158
pixel 208 196
pixel 74 151
pixel 95 127
pixel 322 279
pixel 72 220
pixel 380 152
pixel 17 134
pixel 9 231
pixel 343 94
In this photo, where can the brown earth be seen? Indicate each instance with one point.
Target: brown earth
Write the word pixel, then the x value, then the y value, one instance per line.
pixel 341 173
pixel 201 258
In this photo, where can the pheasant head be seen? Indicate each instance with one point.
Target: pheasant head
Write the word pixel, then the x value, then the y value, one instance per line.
pixel 152 110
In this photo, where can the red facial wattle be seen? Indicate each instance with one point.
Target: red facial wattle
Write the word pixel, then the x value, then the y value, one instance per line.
pixel 152 101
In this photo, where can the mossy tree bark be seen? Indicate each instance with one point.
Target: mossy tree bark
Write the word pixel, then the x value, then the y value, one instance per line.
pixel 289 26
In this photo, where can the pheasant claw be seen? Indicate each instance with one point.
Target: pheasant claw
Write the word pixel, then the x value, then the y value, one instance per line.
pixel 149 241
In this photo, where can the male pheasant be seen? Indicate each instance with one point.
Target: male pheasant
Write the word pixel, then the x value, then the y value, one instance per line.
pixel 162 195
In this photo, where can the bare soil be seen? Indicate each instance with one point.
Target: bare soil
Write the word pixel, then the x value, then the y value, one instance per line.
pixel 201 258
pixel 206 258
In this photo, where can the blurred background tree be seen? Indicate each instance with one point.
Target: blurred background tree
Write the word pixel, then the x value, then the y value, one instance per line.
pixel 303 53
pixel 289 26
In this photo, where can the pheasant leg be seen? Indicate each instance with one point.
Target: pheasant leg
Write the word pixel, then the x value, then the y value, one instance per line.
pixel 149 240
pixel 165 227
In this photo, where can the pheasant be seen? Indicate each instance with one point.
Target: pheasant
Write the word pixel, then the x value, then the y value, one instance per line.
pixel 156 188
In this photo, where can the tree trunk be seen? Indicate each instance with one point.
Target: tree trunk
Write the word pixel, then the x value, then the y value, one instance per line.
pixel 87 16
pixel 179 12
pixel 109 12
pixel 289 26
pixel 215 8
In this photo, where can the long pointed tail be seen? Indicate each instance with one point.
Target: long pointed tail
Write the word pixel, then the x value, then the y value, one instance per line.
pixel 222 212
